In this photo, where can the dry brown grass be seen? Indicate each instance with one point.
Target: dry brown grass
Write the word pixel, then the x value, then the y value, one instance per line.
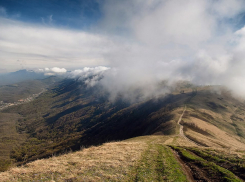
pixel 221 138
pixel 214 114
pixel 111 161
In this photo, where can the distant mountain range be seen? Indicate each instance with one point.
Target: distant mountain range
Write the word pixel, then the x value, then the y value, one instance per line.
pixel 21 75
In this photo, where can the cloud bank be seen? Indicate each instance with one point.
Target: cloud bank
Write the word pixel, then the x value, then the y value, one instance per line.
pixel 144 43
pixel 39 46
pixel 51 71
pixel 91 76
pixel 196 40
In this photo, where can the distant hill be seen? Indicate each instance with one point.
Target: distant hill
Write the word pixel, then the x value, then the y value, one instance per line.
pixel 13 92
pixel 16 94
pixel 18 76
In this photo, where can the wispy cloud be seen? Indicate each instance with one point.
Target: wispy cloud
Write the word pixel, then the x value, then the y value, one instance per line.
pixel 40 45
pixel 3 11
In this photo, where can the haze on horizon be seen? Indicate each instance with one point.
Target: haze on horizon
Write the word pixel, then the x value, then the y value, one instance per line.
pixel 142 42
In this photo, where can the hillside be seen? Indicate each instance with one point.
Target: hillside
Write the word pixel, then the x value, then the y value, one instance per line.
pixel 11 95
pixel 148 158
pixel 21 90
pixel 19 76
pixel 72 116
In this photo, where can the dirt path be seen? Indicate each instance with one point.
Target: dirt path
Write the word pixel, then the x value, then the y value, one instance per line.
pixel 185 168
pixel 181 132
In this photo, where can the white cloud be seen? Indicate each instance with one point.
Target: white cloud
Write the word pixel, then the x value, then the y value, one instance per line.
pixel 144 43
pixel 227 8
pixel 52 71
pixel 58 70
pixel 38 45
pixel 170 40
pixel 90 75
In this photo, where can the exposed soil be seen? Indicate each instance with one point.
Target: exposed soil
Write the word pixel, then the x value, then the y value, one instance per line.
pixel 240 172
pixel 237 169
pixel 185 168
pixel 197 172
pixel 193 173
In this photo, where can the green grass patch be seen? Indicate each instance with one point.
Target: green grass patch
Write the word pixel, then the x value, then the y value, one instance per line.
pixel 214 171
pixel 146 170
pixel 230 162
pixel 158 164
pixel 173 169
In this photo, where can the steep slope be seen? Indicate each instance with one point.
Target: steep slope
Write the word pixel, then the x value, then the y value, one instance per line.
pixel 215 119
pixel 71 116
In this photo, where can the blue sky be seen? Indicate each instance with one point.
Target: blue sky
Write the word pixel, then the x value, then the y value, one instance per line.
pixel 66 13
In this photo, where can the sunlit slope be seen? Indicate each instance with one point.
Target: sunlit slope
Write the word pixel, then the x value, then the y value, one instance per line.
pixel 215 119
pixel 142 158
pixel 147 158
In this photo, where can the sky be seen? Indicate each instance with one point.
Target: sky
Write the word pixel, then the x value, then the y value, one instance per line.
pixel 142 42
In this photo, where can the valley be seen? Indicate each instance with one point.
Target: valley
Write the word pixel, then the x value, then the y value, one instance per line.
pixel 4 105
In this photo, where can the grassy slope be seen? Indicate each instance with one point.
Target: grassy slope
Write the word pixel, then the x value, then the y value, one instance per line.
pixel 158 164
pixel 215 118
pixel 146 158
pixel 136 159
